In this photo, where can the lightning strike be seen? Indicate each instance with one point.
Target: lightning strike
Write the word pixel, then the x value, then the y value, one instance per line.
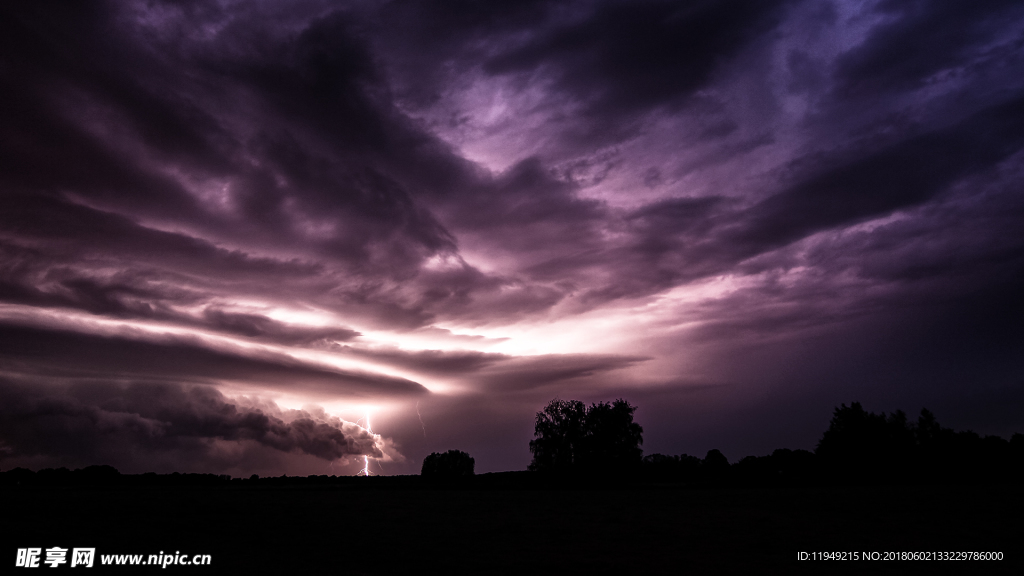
pixel 366 459
pixel 421 419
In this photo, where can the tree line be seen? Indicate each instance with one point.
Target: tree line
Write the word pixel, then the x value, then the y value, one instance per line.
pixel 576 442
pixel 859 447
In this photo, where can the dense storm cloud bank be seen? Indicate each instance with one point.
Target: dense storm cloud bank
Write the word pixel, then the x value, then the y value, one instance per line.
pixel 447 213
pixel 140 426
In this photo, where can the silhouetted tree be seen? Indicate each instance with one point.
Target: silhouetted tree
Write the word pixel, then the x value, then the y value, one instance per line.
pixel 570 437
pixel 716 460
pixel 794 466
pixel 559 433
pixel 714 467
pixel 784 467
pixel 662 468
pixel 101 475
pixel 611 439
pixel 450 464
pixel 861 445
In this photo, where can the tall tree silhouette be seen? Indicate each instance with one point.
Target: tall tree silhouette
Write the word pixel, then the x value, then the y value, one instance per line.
pixel 559 433
pixel 611 437
pixel 571 437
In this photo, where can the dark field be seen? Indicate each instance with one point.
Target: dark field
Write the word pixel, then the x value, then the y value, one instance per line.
pixel 355 529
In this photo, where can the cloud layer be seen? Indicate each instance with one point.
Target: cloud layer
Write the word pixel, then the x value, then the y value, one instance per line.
pixel 139 426
pixel 474 207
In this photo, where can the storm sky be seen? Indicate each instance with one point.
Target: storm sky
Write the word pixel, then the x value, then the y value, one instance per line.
pixel 278 236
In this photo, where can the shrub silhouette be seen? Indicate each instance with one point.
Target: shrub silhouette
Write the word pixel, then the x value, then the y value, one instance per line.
pixel 783 467
pixel 715 467
pixel 662 468
pixel 450 464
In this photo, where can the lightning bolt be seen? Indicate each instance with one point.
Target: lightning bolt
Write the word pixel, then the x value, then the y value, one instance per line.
pixel 366 459
pixel 421 419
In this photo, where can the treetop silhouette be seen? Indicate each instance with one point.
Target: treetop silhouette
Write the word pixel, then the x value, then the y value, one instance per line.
pixel 450 464
pixel 571 437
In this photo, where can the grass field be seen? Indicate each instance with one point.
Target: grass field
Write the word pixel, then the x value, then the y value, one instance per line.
pixel 651 530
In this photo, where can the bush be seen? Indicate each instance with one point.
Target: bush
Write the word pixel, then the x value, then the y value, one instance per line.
pixel 450 464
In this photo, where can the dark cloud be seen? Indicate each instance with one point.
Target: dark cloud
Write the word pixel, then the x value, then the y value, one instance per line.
pixel 920 40
pixel 324 183
pixel 258 326
pixel 682 240
pixel 426 40
pixel 499 373
pixel 546 370
pixel 33 278
pixel 527 196
pixel 965 238
pixel 78 169
pixel 308 159
pixel 902 175
pixel 121 423
pixel 630 56
pixel 66 76
pixel 457 363
pixel 948 252
pixel 73 354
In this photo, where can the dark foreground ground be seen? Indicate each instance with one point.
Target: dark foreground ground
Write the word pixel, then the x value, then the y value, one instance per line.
pixel 376 529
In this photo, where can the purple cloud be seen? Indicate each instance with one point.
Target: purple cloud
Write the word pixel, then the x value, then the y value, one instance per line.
pixel 716 208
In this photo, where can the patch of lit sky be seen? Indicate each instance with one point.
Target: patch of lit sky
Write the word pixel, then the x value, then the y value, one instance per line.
pixel 625 327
